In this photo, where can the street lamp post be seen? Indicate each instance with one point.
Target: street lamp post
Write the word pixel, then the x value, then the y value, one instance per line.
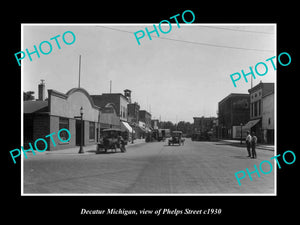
pixel 132 133
pixel 241 132
pixel 132 137
pixel 81 130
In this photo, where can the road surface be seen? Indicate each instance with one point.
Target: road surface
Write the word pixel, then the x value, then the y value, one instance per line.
pixel 149 168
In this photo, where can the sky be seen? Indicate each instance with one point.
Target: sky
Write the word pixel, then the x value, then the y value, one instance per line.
pixel 178 76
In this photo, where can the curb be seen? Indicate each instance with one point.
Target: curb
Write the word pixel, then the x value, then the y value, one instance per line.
pixel 265 148
pixel 260 147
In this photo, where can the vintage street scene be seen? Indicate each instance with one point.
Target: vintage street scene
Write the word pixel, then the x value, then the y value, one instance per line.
pixel 147 168
pixel 179 114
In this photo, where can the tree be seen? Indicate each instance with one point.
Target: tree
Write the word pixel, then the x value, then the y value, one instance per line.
pixel 185 127
pixel 166 125
pixel 28 96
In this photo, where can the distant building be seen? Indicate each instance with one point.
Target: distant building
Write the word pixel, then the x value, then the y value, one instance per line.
pixel 203 124
pixel 117 99
pixel 109 118
pixel 262 112
pixel 233 110
pixel 133 113
pixel 127 94
pixel 145 117
pixel 120 103
pixel 133 118
pixel 155 123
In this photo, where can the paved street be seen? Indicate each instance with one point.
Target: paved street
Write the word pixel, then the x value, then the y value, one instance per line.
pixel 155 168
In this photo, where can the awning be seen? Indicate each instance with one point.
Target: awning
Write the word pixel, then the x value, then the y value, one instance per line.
pixel 126 127
pixel 141 128
pixel 250 124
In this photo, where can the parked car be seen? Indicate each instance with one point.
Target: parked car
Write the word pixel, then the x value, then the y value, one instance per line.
pixel 112 139
pixel 176 138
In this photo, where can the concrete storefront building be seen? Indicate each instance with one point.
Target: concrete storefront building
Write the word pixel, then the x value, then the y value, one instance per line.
pixel 44 117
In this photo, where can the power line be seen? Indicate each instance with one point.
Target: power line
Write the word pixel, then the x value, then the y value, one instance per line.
pixel 110 28
pixel 196 43
pixel 248 31
pixel 215 45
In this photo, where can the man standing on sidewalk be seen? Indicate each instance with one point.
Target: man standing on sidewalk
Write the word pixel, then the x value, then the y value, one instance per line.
pixel 253 145
pixel 248 143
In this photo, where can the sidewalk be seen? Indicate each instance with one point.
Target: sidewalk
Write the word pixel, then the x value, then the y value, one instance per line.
pixel 90 149
pixel 238 144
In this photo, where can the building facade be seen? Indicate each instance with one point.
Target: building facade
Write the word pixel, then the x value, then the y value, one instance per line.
pixel 133 113
pixel 42 118
pixel 145 117
pixel 233 110
pixel 262 112
pixel 120 103
pixel 155 124
pixel 268 118
pixel 109 117
pixel 133 119
pixel 203 124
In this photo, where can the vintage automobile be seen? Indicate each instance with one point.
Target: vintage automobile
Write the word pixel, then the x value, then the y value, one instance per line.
pixel 176 138
pixel 112 139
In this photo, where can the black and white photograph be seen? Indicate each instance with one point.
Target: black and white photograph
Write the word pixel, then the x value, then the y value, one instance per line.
pixel 139 111
pixel 148 112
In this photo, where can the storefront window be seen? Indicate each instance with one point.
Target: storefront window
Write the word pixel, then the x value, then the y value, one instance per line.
pixel 92 131
pixel 64 123
pixel 255 108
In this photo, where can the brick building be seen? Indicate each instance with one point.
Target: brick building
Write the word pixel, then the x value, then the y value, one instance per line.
pixel 145 117
pixel 119 102
pixel 203 124
pixel 233 110
pixel 133 113
pixel 133 118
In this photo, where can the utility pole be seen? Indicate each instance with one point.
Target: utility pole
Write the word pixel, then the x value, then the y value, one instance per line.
pixel 79 71
pixel 251 78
